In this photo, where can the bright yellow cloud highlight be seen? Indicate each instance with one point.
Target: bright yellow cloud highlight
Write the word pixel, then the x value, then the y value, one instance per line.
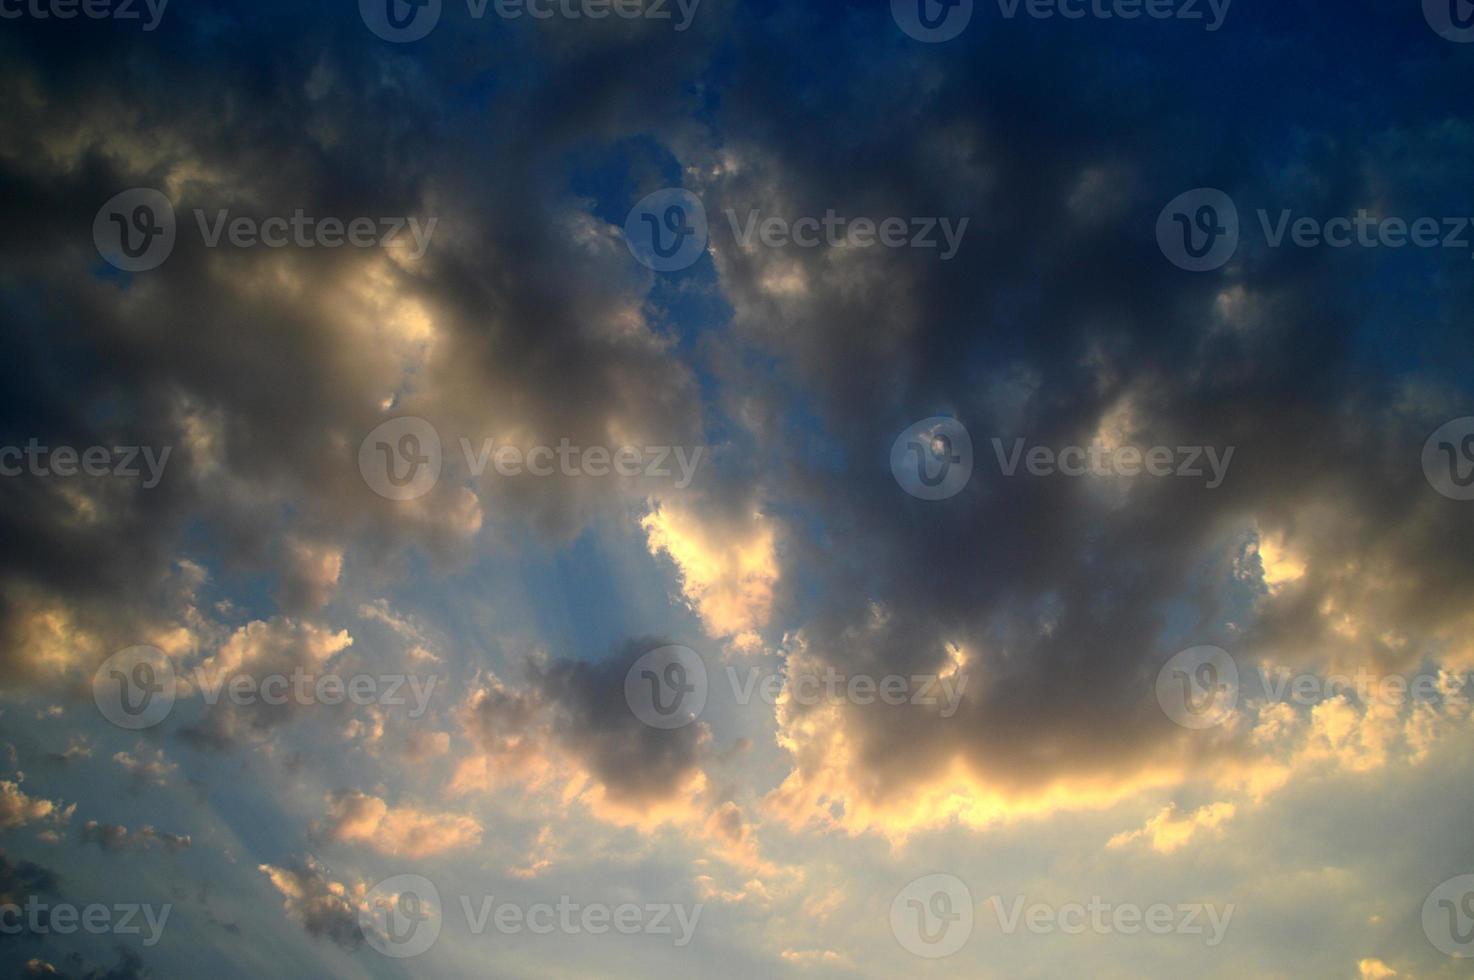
pixel 728 571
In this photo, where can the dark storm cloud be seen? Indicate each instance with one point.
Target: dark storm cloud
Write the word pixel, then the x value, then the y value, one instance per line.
pixel 264 372
pixel 1059 311
pixel 591 718
pixel 580 708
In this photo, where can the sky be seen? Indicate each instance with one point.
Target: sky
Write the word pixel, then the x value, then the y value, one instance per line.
pixel 847 489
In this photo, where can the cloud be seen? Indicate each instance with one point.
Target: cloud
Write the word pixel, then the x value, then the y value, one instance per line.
pixel 1165 833
pixel 115 837
pixel 327 909
pixel 144 770
pixel 17 809
pixel 356 817
pixel 728 566
pixel 278 647
pixel 129 967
